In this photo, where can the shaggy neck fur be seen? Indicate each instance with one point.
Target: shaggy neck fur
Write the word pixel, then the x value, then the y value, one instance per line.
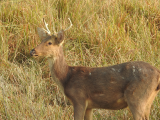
pixel 58 68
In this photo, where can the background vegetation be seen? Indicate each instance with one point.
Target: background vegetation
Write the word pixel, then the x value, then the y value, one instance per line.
pixel 104 32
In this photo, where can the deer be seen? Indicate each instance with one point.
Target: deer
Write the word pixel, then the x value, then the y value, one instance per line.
pixel 132 84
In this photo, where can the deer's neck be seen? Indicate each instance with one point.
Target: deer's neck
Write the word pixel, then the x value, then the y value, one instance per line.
pixel 59 68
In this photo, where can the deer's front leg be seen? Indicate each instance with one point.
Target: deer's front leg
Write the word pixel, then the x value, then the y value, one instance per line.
pixel 88 114
pixel 79 110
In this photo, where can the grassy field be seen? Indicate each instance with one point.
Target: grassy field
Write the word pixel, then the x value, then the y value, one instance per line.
pixel 104 32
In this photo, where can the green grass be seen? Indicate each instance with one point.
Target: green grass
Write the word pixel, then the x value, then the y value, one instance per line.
pixel 104 33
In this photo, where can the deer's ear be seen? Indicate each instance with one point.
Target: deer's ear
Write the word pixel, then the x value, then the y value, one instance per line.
pixel 42 33
pixel 60 37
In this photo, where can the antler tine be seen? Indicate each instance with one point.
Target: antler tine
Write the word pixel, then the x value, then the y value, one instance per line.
pixel 70 24
pixel 54 30
pixel 46 25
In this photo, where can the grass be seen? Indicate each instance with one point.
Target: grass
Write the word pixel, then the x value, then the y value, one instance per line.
pixel 104 33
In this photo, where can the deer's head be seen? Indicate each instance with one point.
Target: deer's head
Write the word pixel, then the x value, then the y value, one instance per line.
pixel 50 44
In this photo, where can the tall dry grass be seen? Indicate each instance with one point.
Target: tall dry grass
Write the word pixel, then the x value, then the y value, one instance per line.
pixel 103 33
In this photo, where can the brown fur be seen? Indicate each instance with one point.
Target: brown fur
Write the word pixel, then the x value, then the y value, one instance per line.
pixel 132 84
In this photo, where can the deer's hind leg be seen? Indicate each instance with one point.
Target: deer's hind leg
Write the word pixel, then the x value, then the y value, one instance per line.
pixel 138 111
pixel 137 103
pixel 141 108
pixel 149 103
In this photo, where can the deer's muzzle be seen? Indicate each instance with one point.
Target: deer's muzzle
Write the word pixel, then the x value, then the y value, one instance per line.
pixel 32 52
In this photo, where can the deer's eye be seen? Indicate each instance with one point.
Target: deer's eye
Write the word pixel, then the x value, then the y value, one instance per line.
pixel 49 43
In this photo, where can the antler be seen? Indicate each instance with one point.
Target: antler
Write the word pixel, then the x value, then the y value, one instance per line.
pixel 49 32
pixel 70 25
pixel 46 25
pixel 54 30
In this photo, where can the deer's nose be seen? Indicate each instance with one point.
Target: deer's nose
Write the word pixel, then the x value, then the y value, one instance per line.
pixel 32 52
